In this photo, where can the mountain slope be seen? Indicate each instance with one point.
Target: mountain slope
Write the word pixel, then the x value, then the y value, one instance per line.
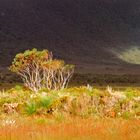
pixel 85 33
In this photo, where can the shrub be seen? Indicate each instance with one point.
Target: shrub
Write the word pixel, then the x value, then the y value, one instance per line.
pixel 46 102
pixel 77 101
pixel 31 108
pixel 39 70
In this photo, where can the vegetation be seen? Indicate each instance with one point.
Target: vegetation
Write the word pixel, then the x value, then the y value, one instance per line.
pixel 39 70
pixel 82 101
pixel 55 111
pixel 41 128
pixel 74 113
pixel 130 55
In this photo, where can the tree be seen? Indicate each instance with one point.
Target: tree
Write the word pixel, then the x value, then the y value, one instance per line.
pixel 39 70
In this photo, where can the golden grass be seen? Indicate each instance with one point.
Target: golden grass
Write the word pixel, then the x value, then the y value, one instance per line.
pixel 72 129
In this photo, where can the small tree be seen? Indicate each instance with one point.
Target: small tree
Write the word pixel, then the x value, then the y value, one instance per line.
pixel 38 70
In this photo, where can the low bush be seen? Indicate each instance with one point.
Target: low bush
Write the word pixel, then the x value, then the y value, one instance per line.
pixel 31 108
pixel 81 101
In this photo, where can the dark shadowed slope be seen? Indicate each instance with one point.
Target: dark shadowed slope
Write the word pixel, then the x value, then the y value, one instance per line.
pixel 87 33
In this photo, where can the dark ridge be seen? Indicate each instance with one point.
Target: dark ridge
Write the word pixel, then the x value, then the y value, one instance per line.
pixel 78 31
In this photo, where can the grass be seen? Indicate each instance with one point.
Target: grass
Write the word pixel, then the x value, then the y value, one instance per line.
pixel 76 128
pixel 79 101
pixel 76 113
pixel 31 108
pixel 130 55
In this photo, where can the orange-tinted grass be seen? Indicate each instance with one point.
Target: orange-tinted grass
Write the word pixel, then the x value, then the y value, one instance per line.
pixel 73 129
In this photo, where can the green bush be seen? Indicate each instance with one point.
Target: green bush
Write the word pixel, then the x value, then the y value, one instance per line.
pixel 46 102
pixel 31 108
pixel 126 115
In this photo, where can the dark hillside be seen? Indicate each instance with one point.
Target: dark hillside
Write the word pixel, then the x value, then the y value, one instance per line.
pixel 86 33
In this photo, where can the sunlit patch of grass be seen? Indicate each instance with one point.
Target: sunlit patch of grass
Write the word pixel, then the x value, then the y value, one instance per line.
pixel 78 113
pixel 130 55
pixel 132 92
pixel 72 129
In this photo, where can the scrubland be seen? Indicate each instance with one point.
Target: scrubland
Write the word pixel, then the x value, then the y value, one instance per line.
pixel 83 112
pixel 45 107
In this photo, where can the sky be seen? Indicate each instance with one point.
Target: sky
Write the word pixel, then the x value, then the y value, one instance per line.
pixel 83 32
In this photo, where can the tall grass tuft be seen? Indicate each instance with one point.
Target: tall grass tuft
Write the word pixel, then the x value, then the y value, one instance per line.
pixel 31 108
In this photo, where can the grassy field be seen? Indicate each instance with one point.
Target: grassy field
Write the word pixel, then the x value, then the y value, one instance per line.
pixel 45 128
pixel 76 113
